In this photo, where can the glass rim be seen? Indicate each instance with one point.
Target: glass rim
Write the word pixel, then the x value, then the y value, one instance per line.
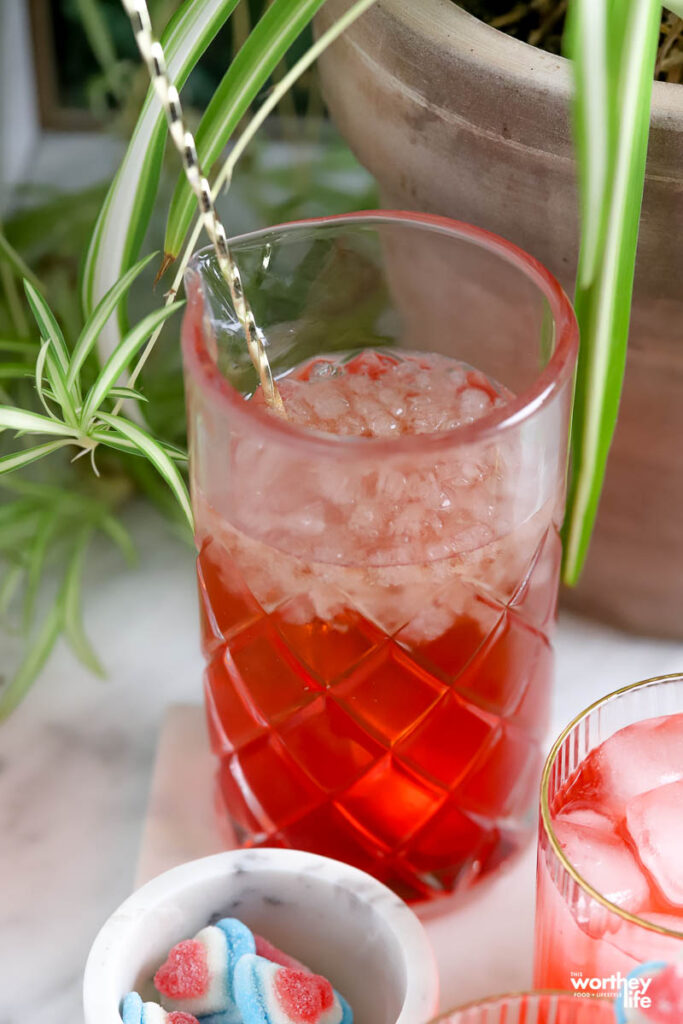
pixel 523 994
pixel 546 819
pixel 558 369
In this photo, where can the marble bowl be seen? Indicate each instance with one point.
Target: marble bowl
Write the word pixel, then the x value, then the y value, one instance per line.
pixel 339 920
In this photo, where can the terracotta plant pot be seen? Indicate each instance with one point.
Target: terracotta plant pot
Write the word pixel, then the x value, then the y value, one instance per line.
pixel 457 118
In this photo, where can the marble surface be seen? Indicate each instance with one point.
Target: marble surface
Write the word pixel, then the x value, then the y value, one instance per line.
pixel 76 762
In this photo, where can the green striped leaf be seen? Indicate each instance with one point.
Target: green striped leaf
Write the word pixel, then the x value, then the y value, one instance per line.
pixel 262 51
pixel 99 317
pixel 120 359
pixel 111 440
pixel 129 394
pixel 39 374
pixel 607 264
pixel 585 43
pixel 49 328
pixel 31 422
pixel 126 211
pixel 8 463
pixel 176 453
pixel 59 388
pixel 9 255
pixel 155 454
pixel 122 444
pixel 224 176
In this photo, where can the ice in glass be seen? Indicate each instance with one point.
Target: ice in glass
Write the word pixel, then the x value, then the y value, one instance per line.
pixel 378 570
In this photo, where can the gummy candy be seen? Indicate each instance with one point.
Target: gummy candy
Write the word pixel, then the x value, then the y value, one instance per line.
pixel 197 976
pixel 267 993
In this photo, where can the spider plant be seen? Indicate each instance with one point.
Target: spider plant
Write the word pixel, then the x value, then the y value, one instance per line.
pixel 66 389
pixel 79 403
pixel 77 396
pixel 612 44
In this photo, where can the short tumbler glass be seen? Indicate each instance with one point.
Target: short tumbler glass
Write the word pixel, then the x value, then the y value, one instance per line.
pixel 377 611
pixel 531 1008
pixel 579 933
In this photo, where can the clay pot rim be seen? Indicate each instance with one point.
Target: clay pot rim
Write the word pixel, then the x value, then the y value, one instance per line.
pixel 446 26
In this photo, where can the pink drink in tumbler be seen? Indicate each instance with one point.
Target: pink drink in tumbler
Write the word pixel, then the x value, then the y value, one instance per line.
pixel 610 884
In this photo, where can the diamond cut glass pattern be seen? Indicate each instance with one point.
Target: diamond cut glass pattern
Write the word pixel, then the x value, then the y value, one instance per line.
pixel 336 738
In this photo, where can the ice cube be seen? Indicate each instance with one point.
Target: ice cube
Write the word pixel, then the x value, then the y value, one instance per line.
pixel 378 395
pixel 643 945
pixel 655 824
pixel 325 368
pixel 588 817
pixel 329 405
pixel 474 404
pixel 602 858
pixel 641 757
pixel 413 509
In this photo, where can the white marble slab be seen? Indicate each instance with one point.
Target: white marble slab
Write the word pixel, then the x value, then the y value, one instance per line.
pixel 180 823
pixel 76 761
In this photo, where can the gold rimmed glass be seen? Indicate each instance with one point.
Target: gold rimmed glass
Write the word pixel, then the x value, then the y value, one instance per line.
pixel 580 933
pixel 531 1008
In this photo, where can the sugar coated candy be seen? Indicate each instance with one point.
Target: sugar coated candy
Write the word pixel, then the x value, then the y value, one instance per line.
pixel 268 993
pixel 134 1011
pixel 197 976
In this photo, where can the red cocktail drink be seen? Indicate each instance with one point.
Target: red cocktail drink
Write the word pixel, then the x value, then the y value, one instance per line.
pixel 378 570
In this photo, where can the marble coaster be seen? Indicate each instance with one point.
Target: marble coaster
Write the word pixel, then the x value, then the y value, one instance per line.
pixel 483 946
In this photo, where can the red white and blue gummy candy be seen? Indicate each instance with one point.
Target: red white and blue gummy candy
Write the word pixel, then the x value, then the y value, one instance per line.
pixel 134 1011
pixel 198 973
pixel 268 993
pixel 227 975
